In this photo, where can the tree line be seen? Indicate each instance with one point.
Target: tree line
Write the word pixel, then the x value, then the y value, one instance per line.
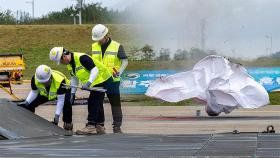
pixel 148 53
pixel 91 13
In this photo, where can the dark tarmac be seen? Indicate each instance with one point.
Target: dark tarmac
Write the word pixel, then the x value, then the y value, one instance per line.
pixel 130 145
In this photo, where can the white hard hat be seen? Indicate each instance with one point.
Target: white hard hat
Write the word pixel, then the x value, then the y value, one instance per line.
pixel 99 31
pixel 56 53
pixel 43 73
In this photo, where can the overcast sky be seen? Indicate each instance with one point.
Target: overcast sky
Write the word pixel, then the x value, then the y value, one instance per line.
pixel 42 7
pixel 240 28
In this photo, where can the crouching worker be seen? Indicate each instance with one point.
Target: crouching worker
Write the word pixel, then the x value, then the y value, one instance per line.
pixel 47 85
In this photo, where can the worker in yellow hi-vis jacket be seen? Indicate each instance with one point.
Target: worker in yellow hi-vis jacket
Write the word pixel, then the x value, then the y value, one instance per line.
pixel 47 85
pixel 112 55
pixel 90 73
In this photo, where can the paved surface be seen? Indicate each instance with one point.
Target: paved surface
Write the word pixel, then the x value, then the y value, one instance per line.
pixel 177 120
pixel 16 122
pixel 151 131
pixel 129 145
pixel 140 118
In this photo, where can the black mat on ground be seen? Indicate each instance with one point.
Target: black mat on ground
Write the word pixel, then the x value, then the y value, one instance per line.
pixel 17 122
pixel 130 145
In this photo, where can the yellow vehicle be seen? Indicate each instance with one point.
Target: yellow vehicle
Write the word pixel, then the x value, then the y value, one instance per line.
pixel 11 71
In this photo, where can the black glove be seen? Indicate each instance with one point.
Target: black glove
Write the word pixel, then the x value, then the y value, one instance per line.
pixel 86 86
pixel 55 119
pixel 23 104
pixel 72 98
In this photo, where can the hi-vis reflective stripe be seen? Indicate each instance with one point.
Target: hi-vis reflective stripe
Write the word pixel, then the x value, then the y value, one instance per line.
pixel 79 68
pixel 112 53
pixel 42 89
pixel 95 52
pixel 52 93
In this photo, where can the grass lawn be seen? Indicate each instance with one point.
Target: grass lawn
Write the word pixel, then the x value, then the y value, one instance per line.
pixel 35 41
pixel 274 98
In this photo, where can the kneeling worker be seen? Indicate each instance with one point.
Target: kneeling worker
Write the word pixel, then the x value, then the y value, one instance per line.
pixel 90 73
pixel 47 85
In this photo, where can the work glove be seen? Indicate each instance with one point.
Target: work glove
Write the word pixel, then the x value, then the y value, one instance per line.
pixel 72 98
pixel 55 119
pixel 86 86
pixel 23 104
pixel 116 74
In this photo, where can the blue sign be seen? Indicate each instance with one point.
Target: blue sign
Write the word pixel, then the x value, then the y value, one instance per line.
pixel 269 77
pixel 137 82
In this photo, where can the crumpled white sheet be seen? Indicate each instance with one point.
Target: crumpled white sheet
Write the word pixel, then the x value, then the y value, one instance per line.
pixel 223 85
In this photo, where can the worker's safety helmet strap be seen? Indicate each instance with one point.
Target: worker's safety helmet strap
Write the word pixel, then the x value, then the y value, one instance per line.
pixel 56 54
pixel 43 73
pixel 99 31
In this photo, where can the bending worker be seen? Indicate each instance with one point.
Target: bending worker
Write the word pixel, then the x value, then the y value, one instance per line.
pixel 90 73
pixel 113 56
pixel 46 85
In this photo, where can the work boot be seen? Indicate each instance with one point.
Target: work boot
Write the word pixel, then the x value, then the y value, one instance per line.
pixel 100 129
pixel 88 130
pixel 68 126
pixel 117 130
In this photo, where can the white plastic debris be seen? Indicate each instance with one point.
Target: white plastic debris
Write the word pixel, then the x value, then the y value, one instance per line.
pixel 223 85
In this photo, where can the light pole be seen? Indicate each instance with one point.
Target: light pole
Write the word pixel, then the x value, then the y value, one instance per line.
pixel 32 3
pixel 80 6
pixel 270 40
pixel 202 33
pixel 74 17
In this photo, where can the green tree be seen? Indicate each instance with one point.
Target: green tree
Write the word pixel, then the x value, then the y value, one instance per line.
pixel 148 52
pixel 181 54
pixel 133 53
pixel 164 54
pixel 6 17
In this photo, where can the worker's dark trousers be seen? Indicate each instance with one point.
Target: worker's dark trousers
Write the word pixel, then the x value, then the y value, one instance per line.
pixel 67 108
pixel 95 104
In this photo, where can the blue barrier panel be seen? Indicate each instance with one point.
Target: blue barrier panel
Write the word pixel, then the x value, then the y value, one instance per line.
pixel 269 77
pixel 137 82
